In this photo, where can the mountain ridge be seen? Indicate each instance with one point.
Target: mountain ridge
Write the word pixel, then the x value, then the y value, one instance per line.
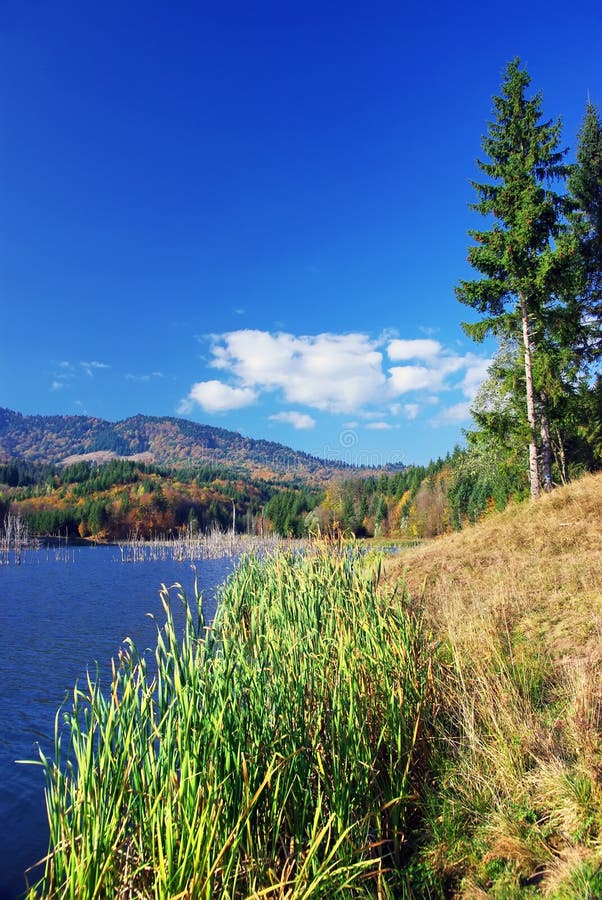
pixel 164 440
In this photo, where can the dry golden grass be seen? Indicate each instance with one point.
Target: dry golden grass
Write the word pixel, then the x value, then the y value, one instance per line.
pixel 537 566
pixel 516 604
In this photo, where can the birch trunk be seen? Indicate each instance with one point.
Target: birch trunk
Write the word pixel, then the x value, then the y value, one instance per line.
pixel 546 443
pixel 531 416
pixel 560 456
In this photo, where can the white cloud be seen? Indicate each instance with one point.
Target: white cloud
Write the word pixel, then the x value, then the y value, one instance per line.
pixel 454 415
pixel 414 378
pixel 214 396
pixel 143 378
pixel 476 373
pixel 379 426
pixel 422 348
pixel 63 377
pixel 90 367
pixel 334 373
pixel 411 410
pixel 435 374
pixel 296 419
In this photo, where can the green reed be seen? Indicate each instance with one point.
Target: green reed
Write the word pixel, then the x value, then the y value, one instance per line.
pixel 272 754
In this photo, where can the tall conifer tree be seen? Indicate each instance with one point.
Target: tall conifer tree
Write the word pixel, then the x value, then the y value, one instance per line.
pixel 585 186
pixel 521 257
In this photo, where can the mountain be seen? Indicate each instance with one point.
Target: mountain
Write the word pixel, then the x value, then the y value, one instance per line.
pixel 162 440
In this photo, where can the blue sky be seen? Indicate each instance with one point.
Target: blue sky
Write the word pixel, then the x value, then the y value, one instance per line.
pixel 254 214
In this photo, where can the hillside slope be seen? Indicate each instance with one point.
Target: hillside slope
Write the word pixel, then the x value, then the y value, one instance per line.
pixel 163 440
pixel 514 807
pixel 537 564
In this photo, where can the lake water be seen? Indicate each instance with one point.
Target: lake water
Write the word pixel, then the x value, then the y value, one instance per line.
pixel 61 612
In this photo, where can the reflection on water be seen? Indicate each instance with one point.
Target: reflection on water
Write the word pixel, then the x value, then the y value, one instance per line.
pixel 61 614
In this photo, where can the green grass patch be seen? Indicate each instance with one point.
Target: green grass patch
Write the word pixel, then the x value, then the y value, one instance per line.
pixel 276 753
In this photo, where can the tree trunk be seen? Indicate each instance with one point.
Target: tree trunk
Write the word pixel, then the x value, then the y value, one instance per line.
pixel 531 417
pixel 546 443
pixel 561 457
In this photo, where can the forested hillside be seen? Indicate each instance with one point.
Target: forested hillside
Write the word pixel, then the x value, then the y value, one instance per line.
pixel 123 498
pixel 161 440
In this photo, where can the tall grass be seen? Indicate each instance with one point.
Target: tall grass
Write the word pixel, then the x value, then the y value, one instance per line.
pixel 271 754
pixel 514 806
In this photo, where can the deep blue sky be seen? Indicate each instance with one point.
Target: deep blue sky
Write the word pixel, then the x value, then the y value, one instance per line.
pixel 246 213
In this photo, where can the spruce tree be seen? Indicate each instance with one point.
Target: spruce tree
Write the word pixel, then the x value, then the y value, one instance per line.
pixel 585 186
pixel 524 257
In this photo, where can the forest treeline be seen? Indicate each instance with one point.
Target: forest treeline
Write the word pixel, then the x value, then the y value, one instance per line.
pixel 122 498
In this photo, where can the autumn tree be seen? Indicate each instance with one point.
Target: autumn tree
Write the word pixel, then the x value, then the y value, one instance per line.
pixel 524 257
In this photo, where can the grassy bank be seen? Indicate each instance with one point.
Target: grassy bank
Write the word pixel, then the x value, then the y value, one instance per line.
pixel 514 803
pixel 335 735
pixel 275 754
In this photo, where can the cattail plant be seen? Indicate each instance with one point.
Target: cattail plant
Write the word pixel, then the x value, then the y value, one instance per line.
pixel 271 753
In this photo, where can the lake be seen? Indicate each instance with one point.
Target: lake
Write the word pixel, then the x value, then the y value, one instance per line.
pixel 61 612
